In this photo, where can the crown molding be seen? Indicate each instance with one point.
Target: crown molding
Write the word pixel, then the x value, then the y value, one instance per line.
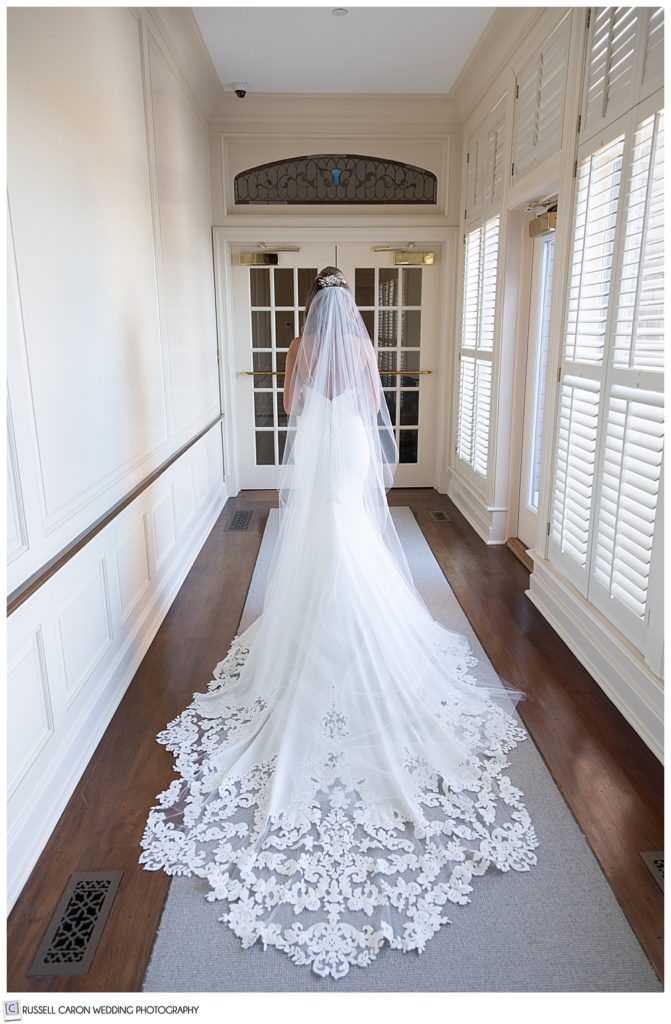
pixel 258 110
pixel 341 132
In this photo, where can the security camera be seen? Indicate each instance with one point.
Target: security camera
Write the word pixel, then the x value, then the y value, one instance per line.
pixel 240 89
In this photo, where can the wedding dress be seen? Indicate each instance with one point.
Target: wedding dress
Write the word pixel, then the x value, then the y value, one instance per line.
pixel 341 782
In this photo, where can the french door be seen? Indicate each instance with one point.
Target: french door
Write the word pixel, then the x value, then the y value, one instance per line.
pixel 268 307
pixel 399 307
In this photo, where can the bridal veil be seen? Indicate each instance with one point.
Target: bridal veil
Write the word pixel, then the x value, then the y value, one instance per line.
pixel 342 780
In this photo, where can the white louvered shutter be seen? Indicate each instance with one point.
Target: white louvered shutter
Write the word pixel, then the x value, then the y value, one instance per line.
pixel 627 506
pixel 481 248
pixel 625 63
pixel 496 132
pixel 539 105
pixel 608 454
pixel 574 477
pixel 653 60
pixel 595 215
pixel 628 495
pixel 475 177
pixel 484 168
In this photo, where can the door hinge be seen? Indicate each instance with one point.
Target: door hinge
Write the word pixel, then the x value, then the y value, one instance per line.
pixel 575 168
pixel 647 617
pixel 465 212
pixel 589 16
pixel 512 170
pixel 517 91
pixel 558 374
pixel 548 529
pixel 579 121
pixel 468 158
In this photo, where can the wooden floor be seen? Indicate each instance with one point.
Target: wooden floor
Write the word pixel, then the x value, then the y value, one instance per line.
pixel 610 780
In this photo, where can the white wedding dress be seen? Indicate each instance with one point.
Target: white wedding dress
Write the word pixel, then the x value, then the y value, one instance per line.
pixel 342 780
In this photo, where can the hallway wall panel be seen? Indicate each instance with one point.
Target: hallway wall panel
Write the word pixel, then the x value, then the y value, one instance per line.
pixel 76 643
pixel 112 369
pixel 182 175
pixel 112 329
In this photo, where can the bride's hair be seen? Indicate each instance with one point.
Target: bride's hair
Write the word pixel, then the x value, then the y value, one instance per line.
pixel 328 277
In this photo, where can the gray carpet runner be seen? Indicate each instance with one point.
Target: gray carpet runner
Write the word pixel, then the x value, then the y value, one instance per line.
pixel 555 928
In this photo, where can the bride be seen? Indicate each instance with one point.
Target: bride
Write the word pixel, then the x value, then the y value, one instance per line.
pixel 341 782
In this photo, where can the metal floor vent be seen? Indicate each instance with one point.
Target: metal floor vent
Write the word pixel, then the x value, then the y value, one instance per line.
pixel 73 934
pixel 655 862
pixel 440 517
pixel 240 521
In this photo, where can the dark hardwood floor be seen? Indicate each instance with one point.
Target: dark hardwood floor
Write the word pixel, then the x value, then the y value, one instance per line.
pixel 610 780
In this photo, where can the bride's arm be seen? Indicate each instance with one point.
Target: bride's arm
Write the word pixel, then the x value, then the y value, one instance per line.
pixel 289 375
pixel 373 375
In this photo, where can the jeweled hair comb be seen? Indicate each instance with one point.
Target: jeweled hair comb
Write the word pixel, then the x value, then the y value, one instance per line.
pixel 332 281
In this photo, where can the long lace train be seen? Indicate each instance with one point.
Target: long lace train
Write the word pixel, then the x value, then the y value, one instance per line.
pixel 353 858
pixel 342 780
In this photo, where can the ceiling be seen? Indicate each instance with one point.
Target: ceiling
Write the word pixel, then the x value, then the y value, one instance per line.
pixel 370 50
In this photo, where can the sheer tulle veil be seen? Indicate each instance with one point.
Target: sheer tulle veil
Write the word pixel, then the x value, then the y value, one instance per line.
pixel 335 376
pixel 335 381
pixel 341 780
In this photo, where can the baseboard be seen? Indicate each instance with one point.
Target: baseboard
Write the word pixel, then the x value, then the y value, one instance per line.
pixel 489 523
pixel 31 833
pixel 609 658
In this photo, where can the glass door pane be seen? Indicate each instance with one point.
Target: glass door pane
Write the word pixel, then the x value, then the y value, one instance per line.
pixel 399 307
pixel 390 301
pixel 541 263
pixel 268 308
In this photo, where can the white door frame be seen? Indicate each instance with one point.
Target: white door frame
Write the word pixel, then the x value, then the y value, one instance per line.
pixel 278 231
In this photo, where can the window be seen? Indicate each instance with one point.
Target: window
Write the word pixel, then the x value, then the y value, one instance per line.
pixel 547 251
pixel 610 431
pixel 481 249
pixel 625 62
pixel 329 178
pixel 484 165
pixel 539 107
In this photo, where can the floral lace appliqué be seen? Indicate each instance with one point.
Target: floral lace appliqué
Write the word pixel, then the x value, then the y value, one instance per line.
pixel 337 874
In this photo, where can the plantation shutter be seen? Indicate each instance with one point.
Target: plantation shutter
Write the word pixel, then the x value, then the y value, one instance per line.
pixel 475 176
pixel 596 204
pixel 608 454
pixel 481 248
pixel 484 168
pixel 496 130
pixel 625 63
pixel 653 61
pixel 539 106
pixel 627 500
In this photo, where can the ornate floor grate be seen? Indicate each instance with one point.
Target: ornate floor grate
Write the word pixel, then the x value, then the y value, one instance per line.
pixel 73 934
pixel 440 517
pixel 655 861
pixel 240 521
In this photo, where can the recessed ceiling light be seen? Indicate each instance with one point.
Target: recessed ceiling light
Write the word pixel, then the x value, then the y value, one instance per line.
pixel 339 12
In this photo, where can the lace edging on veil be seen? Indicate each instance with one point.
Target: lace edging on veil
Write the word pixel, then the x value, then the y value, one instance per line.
pixel 326 882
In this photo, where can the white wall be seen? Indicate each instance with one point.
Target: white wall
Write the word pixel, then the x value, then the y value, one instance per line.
pixel 112 367
pixel 112 330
